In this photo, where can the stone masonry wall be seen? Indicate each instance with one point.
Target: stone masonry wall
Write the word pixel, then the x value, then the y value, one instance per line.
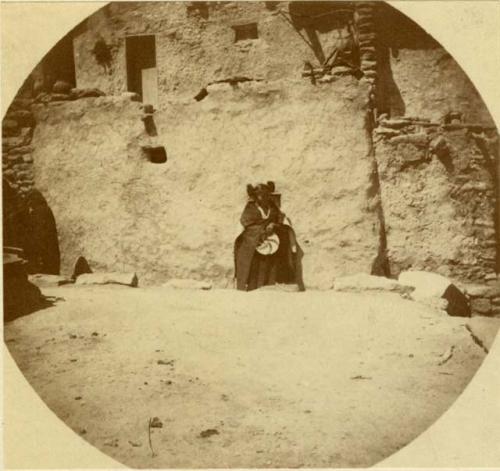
pixel 438 195
pixel 436 148
pixel 17 158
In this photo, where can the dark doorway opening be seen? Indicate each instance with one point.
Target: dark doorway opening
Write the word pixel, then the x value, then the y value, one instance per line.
pixel 59 63
pixel 142 77
pixel 29 224
pixel 42 245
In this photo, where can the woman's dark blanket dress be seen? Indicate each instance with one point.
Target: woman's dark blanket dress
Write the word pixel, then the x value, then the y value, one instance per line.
pixel 253 270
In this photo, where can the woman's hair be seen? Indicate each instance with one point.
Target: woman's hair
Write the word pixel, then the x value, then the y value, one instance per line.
pixel 269 186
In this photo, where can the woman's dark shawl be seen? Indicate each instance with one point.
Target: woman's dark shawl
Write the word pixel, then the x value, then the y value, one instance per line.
pixel 253 234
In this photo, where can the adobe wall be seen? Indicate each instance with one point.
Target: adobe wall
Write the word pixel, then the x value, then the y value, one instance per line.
pixel 431 205
pixel 179 219
pixel 195 46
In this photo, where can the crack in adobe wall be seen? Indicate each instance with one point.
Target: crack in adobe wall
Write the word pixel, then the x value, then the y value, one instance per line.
pixel 233 81
pixel 380 265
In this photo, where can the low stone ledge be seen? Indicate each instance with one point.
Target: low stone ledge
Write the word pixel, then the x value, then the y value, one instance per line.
pixel 127 279
pixel 364 282
pixel 45 281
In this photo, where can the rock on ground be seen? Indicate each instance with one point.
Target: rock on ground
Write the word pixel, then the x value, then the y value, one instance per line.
pixel 431 287
pixel 426 284
pixel 129 279
pixel 365 282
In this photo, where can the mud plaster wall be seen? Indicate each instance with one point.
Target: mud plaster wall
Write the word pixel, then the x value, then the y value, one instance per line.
pixel 196 46
pixel 180 218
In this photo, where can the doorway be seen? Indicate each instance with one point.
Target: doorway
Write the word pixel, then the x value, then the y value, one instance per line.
pixel 59 63
pixel 142 74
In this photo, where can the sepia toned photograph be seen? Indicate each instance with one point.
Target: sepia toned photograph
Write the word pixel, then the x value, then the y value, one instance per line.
pixel 249 234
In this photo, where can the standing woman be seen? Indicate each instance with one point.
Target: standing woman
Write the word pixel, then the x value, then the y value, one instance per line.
pixel 266 252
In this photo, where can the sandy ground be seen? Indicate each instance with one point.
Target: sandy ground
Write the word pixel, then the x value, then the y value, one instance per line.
pixel 262 379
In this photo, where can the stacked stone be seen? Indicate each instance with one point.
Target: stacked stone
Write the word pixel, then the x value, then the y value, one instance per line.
pixel 484 299
pixel 405 130
pixel 471 179
pixel 364 20
pixel 62 91
pixel 474 191
pixel 17 132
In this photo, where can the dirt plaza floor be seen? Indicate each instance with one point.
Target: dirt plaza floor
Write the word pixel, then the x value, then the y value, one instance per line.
pixel 159 378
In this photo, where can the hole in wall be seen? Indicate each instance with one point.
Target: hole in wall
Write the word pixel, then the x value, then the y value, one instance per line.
pixel 453 117
pixel 198 9
pixel 201 94
pixel 155 154
pixel 57 66
pixel 245 32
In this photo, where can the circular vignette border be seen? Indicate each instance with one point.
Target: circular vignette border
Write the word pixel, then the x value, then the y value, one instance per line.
pixel 466 435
